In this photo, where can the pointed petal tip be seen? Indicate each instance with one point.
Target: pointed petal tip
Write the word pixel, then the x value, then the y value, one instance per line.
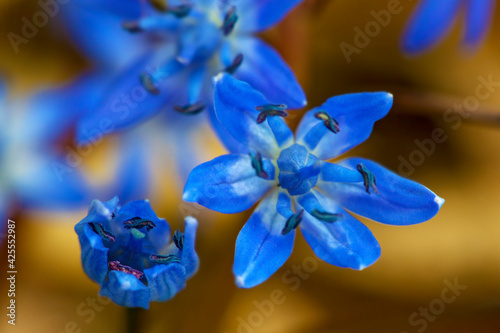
pixel 241 283
pixel 439 201
pixel 218 77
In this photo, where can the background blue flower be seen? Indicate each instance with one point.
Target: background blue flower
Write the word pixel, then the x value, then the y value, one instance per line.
pixel 129 253
pixel 298 186
pixel 180 52
pixel 432 20
pixel 39 169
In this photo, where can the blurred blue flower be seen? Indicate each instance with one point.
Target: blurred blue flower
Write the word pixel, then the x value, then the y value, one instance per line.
pixel 298 186
pixel 432 20
pixel 40 169
pixel 181 47
pixel 129 253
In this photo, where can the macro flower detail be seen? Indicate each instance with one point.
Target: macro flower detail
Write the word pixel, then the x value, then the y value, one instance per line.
pixel 432 20
pixel 300 190
pixel 128 252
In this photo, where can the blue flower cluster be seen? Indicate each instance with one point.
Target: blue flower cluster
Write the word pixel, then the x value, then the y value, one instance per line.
pixel 173 60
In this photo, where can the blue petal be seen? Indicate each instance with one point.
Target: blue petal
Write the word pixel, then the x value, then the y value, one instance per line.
pixel 235 103
pixel 224 136
pixel 189 258
pixel 356 115
pixel 264 69
pixel 126 290
pixel 141 208
pixel 165 281
pixel 101 212
pixel 479 15
pixel 429 23
pixel 344 243
pixel 284 205
pixel 107 43
pixel 400 201
pixel 127 102
pixel 260 248
pixel 129 9
pixel 59 108
pixel 94 255
pixel 258 15
pixel 331 172
pixel 228 184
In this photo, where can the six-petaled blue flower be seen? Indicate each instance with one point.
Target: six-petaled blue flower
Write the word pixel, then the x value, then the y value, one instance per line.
pixel 184 44
pixel 127 250
pixel 298 186
pixel 432 20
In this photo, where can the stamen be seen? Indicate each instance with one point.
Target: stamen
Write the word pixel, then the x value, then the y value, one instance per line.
pixel 148 83
pixel 329 122
pixel 179 240
pixel 325 216
pixel 229 21
pixel 258 165
pixel 164 259
pixel 190 109
pixel 180 11
pixel 132 26
pixel 116 266
pixel 138 223
pixel 270 110
pixel 235 65
pixel 369 179
pixel 292 222
pixel 98 228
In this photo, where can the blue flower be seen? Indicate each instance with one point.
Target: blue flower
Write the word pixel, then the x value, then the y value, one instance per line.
pixel 298 186
pixel 432 20
pixel 128 252
pixel 184 45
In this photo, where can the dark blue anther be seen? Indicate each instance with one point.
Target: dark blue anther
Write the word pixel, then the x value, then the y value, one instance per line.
pixel 270 110
pixel 180 11
pixel 292 222
pixel 132 26
pixel 138 223
pixel 98 228
pixel 157 259
pixel 329 122
pixel 179 240
pixel 116 266
pixel 235 65
pixel 148 83
pixel 229 21
pixel 190 109
pixel 325 216
pixel 258 165
pixel 368 178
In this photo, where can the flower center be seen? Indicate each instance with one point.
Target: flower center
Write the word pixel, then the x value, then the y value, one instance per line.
pixel 299 169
